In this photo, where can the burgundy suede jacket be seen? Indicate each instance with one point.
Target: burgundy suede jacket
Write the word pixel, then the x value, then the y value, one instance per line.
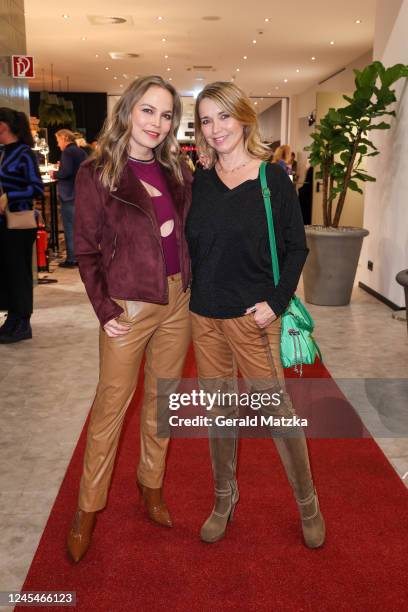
pixel 117 240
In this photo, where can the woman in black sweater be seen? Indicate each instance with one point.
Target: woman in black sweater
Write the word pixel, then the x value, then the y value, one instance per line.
pixel 235 307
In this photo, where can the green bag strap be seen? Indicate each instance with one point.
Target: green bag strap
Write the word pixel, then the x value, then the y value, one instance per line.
pixel 271 231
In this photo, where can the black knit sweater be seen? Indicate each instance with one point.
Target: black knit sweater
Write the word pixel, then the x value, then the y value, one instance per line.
pixel 227 234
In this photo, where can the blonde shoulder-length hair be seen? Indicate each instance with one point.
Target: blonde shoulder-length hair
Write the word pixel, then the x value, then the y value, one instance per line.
pixel 282 152
pixel 234 101
pixel 112 151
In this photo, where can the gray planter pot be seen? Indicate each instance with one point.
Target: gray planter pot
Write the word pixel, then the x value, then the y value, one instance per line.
pixel 331 265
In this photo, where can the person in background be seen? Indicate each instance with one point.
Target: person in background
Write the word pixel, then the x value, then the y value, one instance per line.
pixel 235 305
pixel 282 157
pixel 293 166
pixel 132 201
pixel 20 182
pixel 306 196
pixel 71 158
pixel 82 144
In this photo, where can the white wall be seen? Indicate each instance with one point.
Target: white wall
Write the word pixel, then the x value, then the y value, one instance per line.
pixel 386 202
pixel 270 122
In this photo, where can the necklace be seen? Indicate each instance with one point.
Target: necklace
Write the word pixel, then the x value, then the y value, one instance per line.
pixel 233 169
pixel 142 161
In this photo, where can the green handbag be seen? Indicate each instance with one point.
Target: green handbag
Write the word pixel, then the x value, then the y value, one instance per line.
pixel 297 346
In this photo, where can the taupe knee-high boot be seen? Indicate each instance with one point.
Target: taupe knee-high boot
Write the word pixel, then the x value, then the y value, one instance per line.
pixel 223 453
pixel 295 458
pixel 292 448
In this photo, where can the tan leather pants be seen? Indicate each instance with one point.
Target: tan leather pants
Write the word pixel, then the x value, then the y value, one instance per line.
pixel 162 333
pixel 221 345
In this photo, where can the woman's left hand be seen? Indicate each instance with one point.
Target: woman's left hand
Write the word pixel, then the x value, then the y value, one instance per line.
pixel 263 314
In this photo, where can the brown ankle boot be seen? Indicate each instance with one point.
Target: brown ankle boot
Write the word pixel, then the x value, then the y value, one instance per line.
pixel 80 535
pixel 155 505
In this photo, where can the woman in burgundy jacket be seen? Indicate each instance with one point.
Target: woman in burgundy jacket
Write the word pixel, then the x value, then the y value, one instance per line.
pixel 131 203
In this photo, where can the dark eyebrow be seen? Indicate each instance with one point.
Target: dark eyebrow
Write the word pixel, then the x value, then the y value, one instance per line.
pixel 153 107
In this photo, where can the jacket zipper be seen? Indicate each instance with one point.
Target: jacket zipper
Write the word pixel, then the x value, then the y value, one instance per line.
pixel 114 246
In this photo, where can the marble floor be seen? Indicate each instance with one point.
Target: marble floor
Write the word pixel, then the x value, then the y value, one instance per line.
pixel 47 385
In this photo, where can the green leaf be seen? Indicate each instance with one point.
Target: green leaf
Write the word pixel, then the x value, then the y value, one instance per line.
pixel 354 187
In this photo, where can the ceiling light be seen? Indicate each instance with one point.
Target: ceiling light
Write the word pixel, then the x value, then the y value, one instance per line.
pixel 254 42
pixel 96 55
pixel 358 21
pixel 121 85
pixel 170 79
pixel 255 103
pixel 297 70
pixel 168 69
pixel 159 18
pixel 332 42
pixel 116 78
pixel 125 76
pixel 83 38
pixel 166 57
pixel 266 19
pixel 237 69
pixel 277 87
pixel 245 57
pixel 269 93
pixel 313 58
pixel 285 80
pixel 65 16
pixel 163 39
pixel 106 67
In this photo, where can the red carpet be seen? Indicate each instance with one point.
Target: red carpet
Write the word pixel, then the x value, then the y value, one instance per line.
pixel 261 565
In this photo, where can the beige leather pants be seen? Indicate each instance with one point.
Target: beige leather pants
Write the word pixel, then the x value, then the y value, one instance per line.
pixel 162 333
pixel 220 346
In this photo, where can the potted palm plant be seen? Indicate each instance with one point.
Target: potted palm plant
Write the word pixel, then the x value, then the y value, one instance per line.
pixel 340 145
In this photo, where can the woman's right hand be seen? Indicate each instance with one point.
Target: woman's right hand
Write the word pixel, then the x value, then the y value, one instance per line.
pixel 114 329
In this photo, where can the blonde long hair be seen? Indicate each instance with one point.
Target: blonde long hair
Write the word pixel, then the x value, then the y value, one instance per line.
pixel 234 101
pixel 112 151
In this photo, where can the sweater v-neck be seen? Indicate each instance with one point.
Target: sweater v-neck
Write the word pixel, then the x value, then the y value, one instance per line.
pixel 224 188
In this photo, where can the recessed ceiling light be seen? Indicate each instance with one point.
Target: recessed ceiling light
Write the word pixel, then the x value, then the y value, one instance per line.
pixel 313 58
pixel 297 70
pixel 65 16
pixel 254 42
pixel 269 93
pixel 116 78
pixel 266 19
pixel 106 67
pixel 166 57
pixel 164 39
pixel 83 38
pixel 285 80
pixel 255 103
pixel 121 85
pixel 332 42
pixel 358 21
pixel 170 79
pixel 125 76
pixel 237 69
pixel 96 55
pixel 159 18
pixel 168 69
